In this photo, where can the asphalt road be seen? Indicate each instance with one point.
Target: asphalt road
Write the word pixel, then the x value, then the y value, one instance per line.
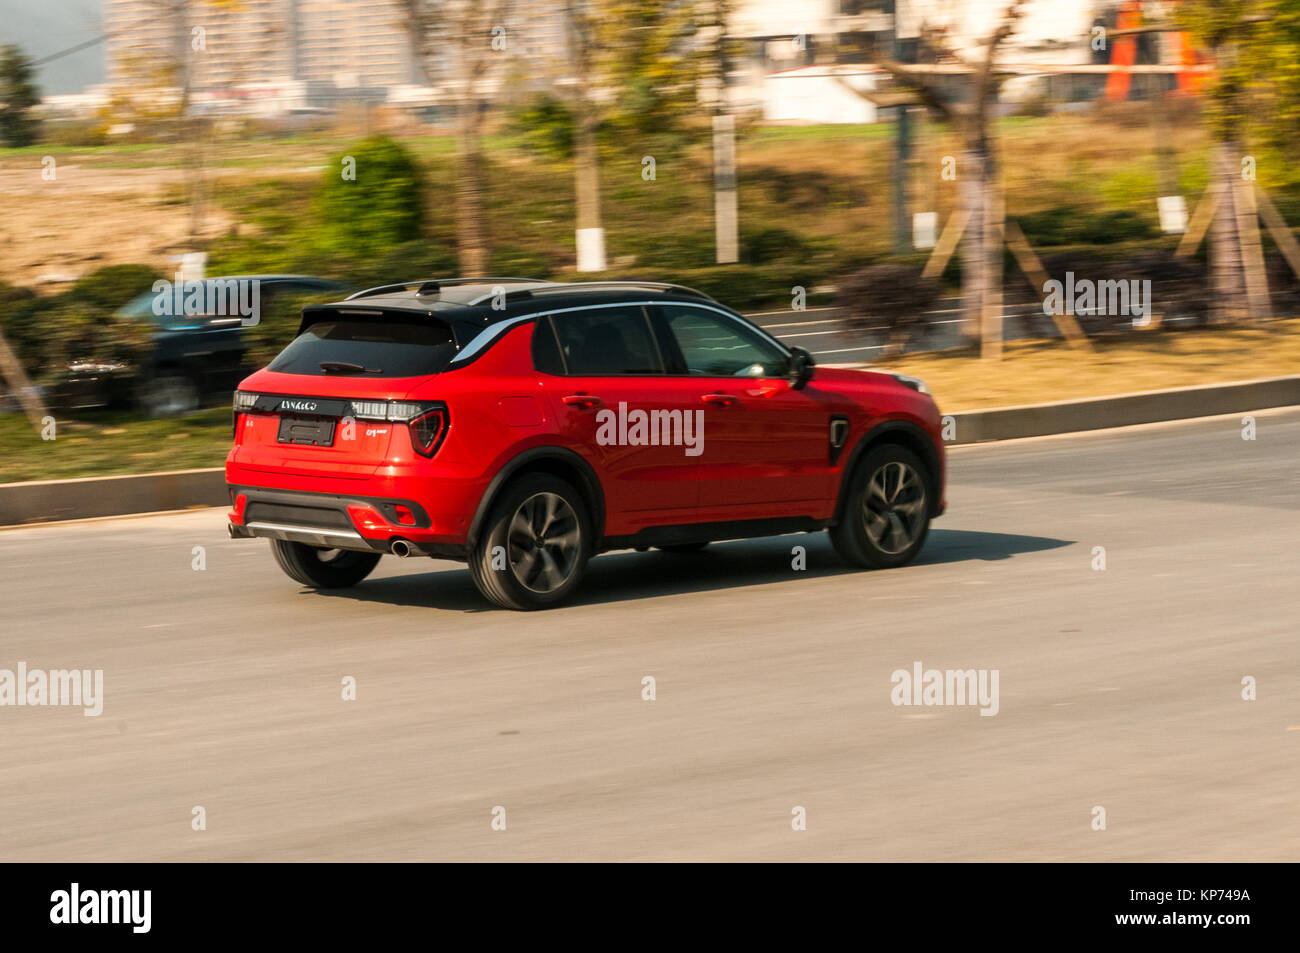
pixel 1119 688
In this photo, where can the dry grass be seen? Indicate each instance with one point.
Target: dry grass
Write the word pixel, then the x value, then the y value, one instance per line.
pixel 1034 372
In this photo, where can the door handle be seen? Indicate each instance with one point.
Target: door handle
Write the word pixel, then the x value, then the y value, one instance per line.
pixel 582 400
pixel 725 400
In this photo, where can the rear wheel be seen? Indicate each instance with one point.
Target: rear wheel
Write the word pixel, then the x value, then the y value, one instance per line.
pixel 168 396
pixel 887 514
pixel 534 548
pixel 323 568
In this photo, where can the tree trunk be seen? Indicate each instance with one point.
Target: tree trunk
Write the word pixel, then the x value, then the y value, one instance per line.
pixel 981 265
pixel 586 183
pixel 973 253
pixel 1228 300
pixel 991 325
pixel 471 214
pixel 726 208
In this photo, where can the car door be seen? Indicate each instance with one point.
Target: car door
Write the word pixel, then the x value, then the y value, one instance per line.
pixel 612 397
pixel 764 442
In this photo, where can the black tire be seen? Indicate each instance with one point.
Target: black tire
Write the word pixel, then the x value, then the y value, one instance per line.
pixel 323 568
pixel 683 548
pixel 542 561
pixel 887 514
pixel 170 396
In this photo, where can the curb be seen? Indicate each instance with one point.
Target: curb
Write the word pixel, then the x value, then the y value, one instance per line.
pixel 1124 410
pixel 90 497
pixel 50 500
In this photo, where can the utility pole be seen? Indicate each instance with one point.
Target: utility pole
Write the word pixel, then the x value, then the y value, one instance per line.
pixel 589 233
pixel 726 205
pixel 903 50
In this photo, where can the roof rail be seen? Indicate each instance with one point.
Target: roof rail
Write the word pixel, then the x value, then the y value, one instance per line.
pixel 561 287
pixel 432 285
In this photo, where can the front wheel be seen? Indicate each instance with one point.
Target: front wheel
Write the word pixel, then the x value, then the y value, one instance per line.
pixel 535 545
pixel 323 568
pixel 887 514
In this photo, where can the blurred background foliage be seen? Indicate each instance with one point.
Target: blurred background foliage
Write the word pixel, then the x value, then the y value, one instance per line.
pixel 50 332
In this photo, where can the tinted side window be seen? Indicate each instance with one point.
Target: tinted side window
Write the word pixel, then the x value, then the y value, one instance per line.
pixel 546 351
pixel 609 342
pixel 714 345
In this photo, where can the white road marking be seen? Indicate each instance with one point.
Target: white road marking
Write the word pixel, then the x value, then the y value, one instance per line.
pixel 800 324
pixel 759 314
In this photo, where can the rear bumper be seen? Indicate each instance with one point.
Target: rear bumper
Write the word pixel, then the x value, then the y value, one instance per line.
pixel 337 521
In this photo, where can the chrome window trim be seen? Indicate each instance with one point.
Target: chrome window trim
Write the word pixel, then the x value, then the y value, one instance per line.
pixel 484 339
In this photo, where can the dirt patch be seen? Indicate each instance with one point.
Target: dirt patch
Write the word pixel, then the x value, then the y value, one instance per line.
pixel 56 231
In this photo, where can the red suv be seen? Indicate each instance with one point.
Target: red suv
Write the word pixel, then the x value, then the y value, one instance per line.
pixel 526 426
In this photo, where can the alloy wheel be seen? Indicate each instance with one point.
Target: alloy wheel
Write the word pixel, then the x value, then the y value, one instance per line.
pixel 544 542
pixel 893 508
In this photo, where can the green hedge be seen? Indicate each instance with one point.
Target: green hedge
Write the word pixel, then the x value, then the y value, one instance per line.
pixel 50 332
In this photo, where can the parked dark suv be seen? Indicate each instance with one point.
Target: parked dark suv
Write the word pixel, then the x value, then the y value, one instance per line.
pixel 525 426
pixel 193 356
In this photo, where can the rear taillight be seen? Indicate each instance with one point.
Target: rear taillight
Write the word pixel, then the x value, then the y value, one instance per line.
pixel 243 402
pixel 427 430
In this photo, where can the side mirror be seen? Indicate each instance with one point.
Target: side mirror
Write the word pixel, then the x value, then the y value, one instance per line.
pixel 801 367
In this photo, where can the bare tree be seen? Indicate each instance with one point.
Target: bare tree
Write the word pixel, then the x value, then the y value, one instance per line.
pixel 455 42
pixel 582 41
pixel 170 67
pixel 980 224
pixel 1237 34
pixel 716 15
pixel 609 46
pixel 981 211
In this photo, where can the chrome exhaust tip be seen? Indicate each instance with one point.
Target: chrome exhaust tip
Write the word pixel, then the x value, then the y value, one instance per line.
pixel 401 547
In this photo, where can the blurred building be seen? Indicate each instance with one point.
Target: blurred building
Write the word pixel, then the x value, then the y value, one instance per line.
pixel 819 94
pixel 798 55
pixel 352 43
pixel 267 53
pixel 794 60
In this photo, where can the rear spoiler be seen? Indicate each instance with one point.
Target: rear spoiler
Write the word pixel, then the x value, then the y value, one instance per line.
pixel 314 313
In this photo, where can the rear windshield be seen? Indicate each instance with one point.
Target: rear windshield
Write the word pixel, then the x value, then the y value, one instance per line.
pixel 388 347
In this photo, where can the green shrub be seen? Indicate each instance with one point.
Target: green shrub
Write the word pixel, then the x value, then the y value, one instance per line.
pixel 381 207
pixel 409 261
pixel 744 287
pixel 515 262
pixel 545 127
pixel 1066 225
pixel 262 256
pixel 760 246
pixel 21 328
pixel 78 324
pixel 669 248
pixel 109 288
pixel 1119 225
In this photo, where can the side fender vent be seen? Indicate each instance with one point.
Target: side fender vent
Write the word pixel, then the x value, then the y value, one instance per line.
pixel 839 436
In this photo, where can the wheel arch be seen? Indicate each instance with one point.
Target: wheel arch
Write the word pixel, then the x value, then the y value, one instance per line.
pixel 557 461
pixel 903 433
